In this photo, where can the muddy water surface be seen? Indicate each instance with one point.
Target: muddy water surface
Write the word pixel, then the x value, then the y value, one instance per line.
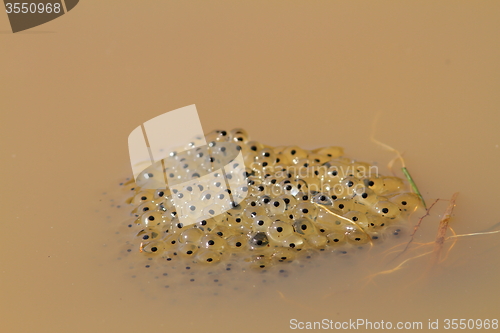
pixel 311 74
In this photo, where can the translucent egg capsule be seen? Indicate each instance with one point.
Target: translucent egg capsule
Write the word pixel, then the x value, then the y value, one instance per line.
pixel 363 170
pixel 151 219
pixel 277 206
pixel 182 197
pixel 266 155
pixel 161 193
pixel 407 202
pixel 317 241
pixel 250 201
pixel 249 160
pixel 387 209
pixel 191 235
pixel 341 191
pixel 259 262
pixel 258 240
pixel 333 173
pixel 322 199
pixel 261 223
pixel 352 186
pixel 336 238
pixel 223 231
pixel 191 189
pixel 211 210
pixel 356 235
pixel 149 234
pixel 141 197
pixel 144 207
pixel 206 197
pixel 218 184
pixel 343 205
pixel 303 197
pixel 206 256
pixel 303 167
pixel 306 209
pixel 239 194
pixel 286 217
pixel 264 200
pixel 223 199
pixel 327 220
pixel 284 255
pixel 222 136
pixel 377 222
pixel 252 211
pixel 397 232
pixel 301 185
pixel 164 204
pixel 272 178
pixel 368 197
pixel 330 152
pixel 258 190
pixel 170 242
pixel 289 188
pixel 239 223
pixel 238 135
pixel 255 146
pixel 170 255
pixel 304 227
pixel 318 158
pixel 152 177
pixel 376 184
pixel 294 153
pixel 392 185
pixel 155 247
pixel 376 236
pixel 170 215
pixel 293 241
pixel 213 242
pixel 314 184
pixel 279 230
pixel 238 243
pixel 236 211
pixel 189 211
pixel 205 223
pixel 289 200
pixel 358 218
pixel 188 250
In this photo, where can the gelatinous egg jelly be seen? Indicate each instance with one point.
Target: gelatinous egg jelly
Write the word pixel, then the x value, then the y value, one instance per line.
pixel 272 205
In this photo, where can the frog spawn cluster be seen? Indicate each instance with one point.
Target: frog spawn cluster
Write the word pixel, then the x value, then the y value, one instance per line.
pixel 293 202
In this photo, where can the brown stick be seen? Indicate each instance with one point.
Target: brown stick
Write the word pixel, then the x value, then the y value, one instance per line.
pixel 443 228
pixel 417 226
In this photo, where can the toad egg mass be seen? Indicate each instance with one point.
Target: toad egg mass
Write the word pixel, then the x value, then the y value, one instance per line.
pixel 238 206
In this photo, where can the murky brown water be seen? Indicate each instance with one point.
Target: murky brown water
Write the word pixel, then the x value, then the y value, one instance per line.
pixel 304 73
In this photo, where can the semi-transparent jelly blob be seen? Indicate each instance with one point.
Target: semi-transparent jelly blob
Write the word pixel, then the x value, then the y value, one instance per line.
pixel 289 206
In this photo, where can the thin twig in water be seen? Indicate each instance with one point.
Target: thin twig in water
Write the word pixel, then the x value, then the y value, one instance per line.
pixel 451 246
pixel 443 227
pixel 417 226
